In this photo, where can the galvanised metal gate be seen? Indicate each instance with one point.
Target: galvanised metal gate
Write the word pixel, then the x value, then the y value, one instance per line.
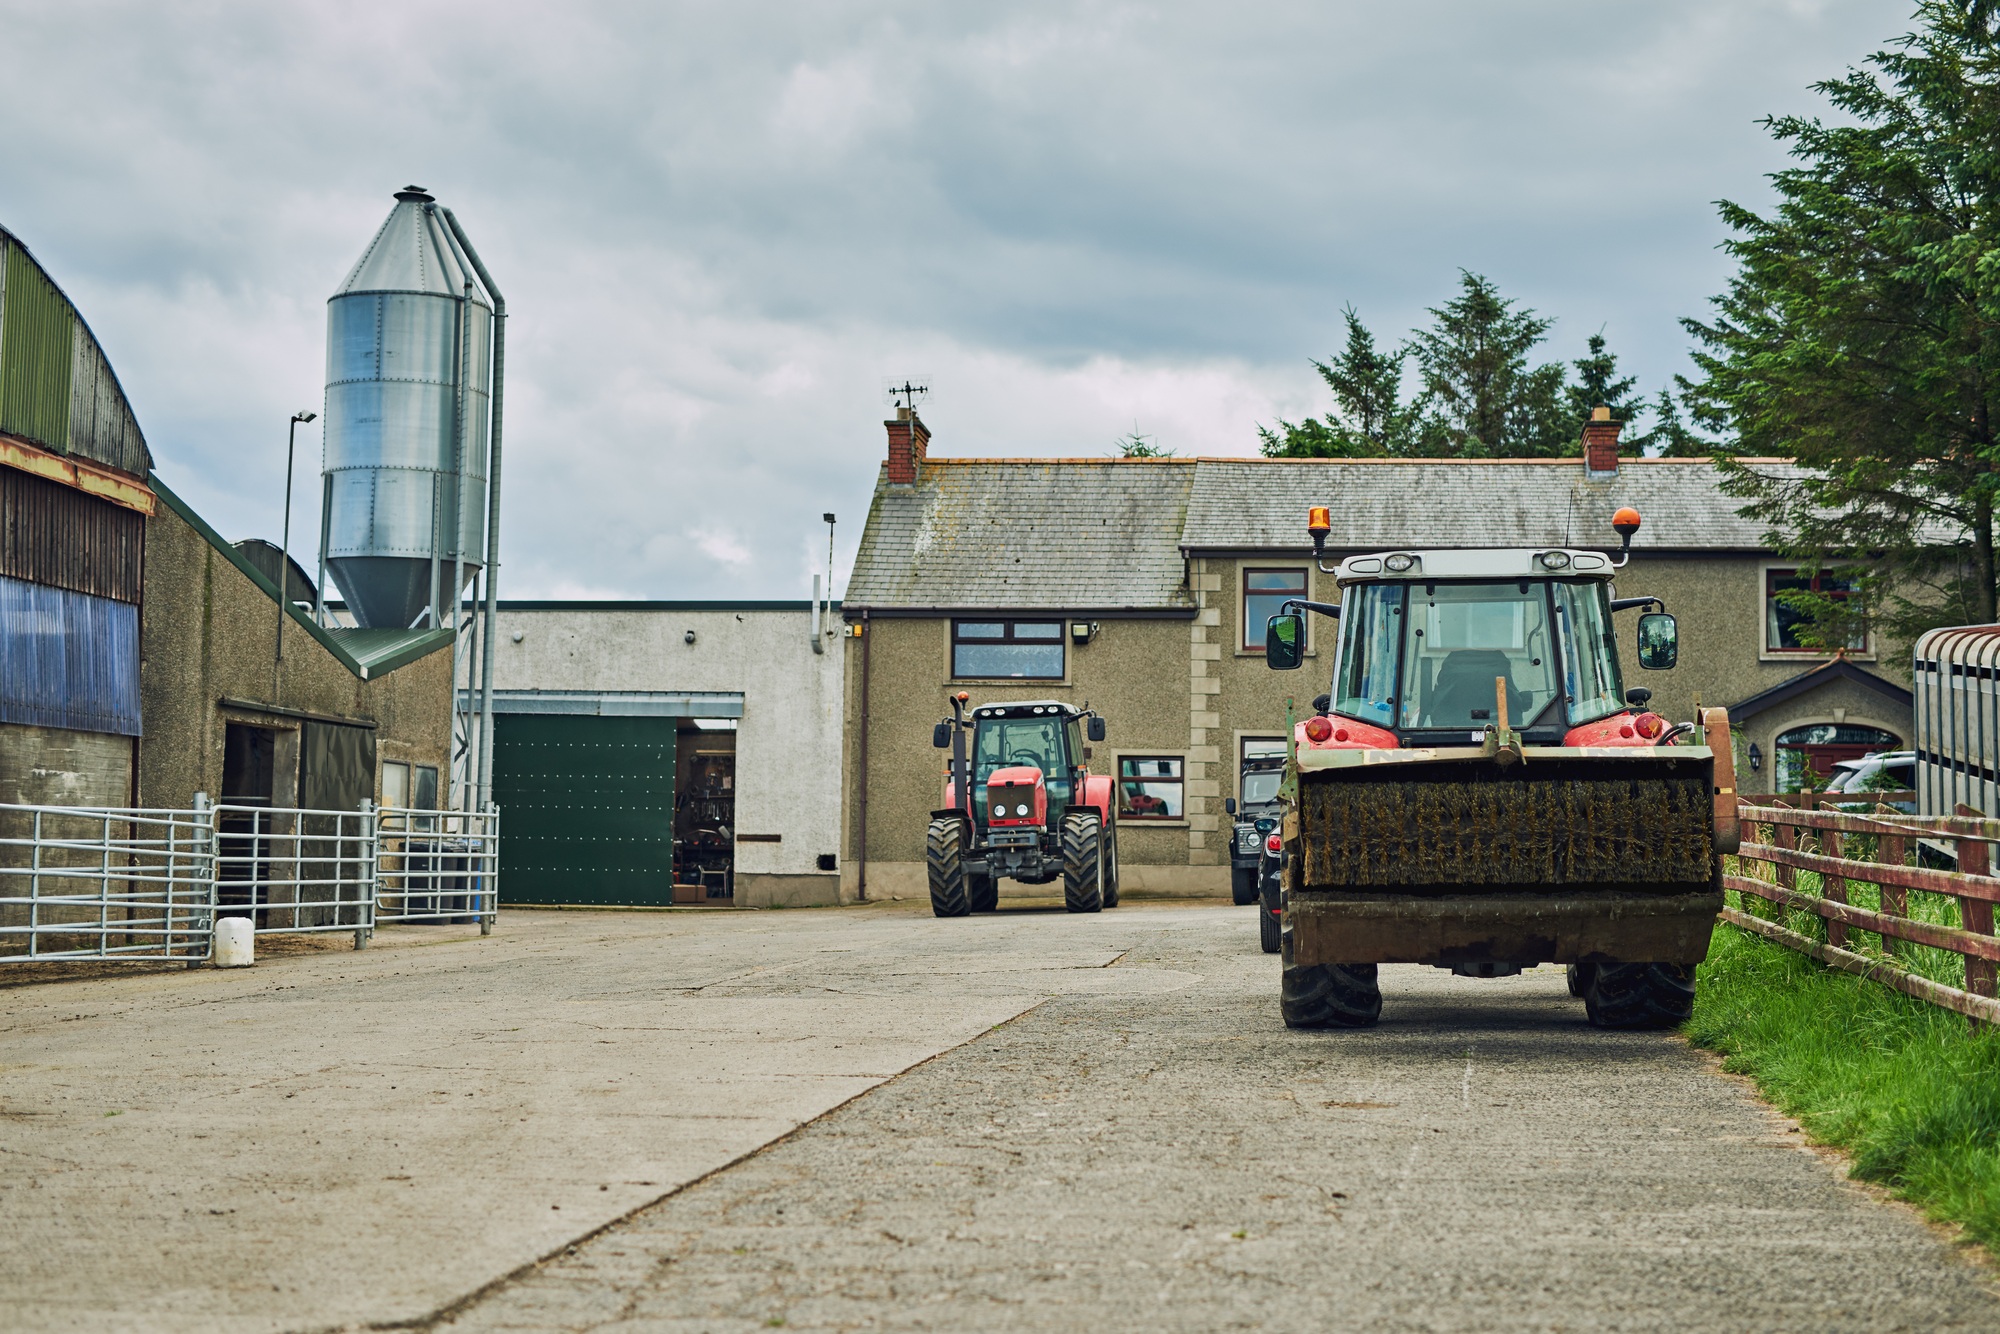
pixel 115 883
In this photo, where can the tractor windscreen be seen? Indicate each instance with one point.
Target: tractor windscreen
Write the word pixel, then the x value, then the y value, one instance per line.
pixel 1427 655
pixel 1460 638
pixel 1002 743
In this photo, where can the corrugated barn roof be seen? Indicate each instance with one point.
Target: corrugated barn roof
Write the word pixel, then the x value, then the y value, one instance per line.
pixel 1076 534
pixel 57 390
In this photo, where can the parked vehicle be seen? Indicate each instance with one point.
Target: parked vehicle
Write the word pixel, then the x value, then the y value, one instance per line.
pixel 1256 815
pixel 1885 771
pixel 1484 795
pixel 1021 803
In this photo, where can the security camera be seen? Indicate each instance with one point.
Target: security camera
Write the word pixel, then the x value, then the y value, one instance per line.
pixel 688 638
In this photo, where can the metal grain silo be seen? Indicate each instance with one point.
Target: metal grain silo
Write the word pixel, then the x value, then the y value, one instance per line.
pixel 408 376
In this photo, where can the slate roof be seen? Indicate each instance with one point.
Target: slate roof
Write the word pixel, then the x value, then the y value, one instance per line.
pixel 1027 534
pixel 1252 504
pixel 1112 534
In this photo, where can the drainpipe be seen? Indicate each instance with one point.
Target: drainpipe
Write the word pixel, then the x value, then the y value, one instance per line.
pixel 485 797
pixel 867 639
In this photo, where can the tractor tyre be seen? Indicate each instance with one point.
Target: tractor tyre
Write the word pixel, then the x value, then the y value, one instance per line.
pixel 1639 995
pixel 1579 978
pixel 944 860
pixel 983 892
pixel 1270 929
pixel 1083 862
pixel 1110 873
pixel 1330 995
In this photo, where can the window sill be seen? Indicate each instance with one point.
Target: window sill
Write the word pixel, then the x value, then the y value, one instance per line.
pixel 1810 655
pixel 1258 653
pixel 1045 682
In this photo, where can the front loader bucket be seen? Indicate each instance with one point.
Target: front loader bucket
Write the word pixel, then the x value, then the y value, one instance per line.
pixel 1453 856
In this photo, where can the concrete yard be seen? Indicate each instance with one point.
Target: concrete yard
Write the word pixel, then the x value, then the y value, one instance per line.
pixel 1116 1132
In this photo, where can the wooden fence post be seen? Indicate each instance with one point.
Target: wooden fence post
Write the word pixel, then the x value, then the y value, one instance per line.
pixel 1976 858
pixel 1891 849
pixel 1787 837
pixel 1833 888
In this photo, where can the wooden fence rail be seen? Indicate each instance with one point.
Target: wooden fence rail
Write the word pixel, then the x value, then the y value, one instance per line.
pixel 1783 838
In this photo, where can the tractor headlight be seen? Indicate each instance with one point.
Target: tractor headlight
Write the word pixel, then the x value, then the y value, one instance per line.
pixel 1554 560
pixel 1399 563
pixel 1022 809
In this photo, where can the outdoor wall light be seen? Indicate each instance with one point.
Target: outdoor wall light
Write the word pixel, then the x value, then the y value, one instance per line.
pixel 1756 758
pixel 519 636
pixel 688 638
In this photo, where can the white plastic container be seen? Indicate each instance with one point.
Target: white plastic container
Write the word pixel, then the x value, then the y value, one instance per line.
pixel 235 943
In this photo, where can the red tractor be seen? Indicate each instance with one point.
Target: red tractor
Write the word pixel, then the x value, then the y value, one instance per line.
pixel 1021 804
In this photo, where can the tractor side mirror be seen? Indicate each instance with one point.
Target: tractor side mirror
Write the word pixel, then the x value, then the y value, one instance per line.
pixel 1229 805
pixel 1659 641
pixel 941 735
pixel 1285 642
pixel 1094 729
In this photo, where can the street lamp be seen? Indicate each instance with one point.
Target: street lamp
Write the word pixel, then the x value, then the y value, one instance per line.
pixel 285 547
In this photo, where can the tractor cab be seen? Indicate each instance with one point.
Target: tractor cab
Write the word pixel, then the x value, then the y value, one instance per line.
pixel 1020 803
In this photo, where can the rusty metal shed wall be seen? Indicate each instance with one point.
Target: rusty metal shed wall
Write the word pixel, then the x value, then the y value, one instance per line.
pixel 57 389
pixel 57 535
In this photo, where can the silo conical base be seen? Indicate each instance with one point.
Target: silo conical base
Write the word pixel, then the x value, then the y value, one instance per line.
pixel 389 592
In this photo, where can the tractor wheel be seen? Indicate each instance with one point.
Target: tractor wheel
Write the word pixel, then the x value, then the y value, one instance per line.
pixel 1330 995
pixel 1243 885
pixel 1083 862
pixel 1579 978
pixel 983 892
pixel 1639 995
pixel 1270 929
pixel 1111 868
pixel 944 859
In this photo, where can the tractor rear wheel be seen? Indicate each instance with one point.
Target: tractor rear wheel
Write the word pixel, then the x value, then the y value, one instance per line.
pixel 983 892
pixel 1111 867
pixel 944 860
pixel 1243 885
pixel 1639 995
pixel 1330 995
pixel 1083 862
pixel 1578 975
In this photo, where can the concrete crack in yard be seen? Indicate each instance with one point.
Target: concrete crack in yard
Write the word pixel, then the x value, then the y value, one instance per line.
pixel 451 1310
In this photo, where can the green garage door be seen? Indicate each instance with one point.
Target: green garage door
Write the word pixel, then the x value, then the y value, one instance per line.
pixel 586 808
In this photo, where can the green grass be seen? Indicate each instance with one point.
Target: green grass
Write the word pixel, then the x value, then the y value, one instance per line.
pixel 1910 1091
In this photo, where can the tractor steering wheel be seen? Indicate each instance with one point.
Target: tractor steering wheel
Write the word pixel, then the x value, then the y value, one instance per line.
pixel 1026 760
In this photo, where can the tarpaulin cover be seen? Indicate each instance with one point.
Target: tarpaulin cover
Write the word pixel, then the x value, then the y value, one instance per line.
pixel 68 659
pixel 337 769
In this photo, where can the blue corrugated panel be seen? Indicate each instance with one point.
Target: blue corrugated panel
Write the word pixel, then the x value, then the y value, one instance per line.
pixel 68 659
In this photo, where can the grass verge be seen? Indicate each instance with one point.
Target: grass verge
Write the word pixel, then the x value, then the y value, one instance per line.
pixel 1910 1091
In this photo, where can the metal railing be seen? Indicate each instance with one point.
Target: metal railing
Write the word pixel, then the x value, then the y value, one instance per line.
pixel 84 883
pixel 436 866
pixel 112 883
pixel 1907 900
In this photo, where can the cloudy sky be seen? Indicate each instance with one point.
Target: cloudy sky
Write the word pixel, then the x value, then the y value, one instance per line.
pixel 722 227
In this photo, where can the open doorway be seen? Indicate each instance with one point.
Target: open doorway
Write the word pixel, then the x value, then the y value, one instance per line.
pixel 705 812
pixel 249 788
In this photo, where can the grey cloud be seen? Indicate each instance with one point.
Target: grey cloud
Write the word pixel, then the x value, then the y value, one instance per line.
pixel 720 225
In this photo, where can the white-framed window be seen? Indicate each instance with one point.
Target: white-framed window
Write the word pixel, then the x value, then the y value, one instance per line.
pixel 1152 787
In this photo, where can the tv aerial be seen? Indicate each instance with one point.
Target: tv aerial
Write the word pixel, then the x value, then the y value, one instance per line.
pixel 908 392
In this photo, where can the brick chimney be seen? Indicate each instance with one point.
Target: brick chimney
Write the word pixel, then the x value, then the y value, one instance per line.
pixel 1600 443
pixel 909 440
